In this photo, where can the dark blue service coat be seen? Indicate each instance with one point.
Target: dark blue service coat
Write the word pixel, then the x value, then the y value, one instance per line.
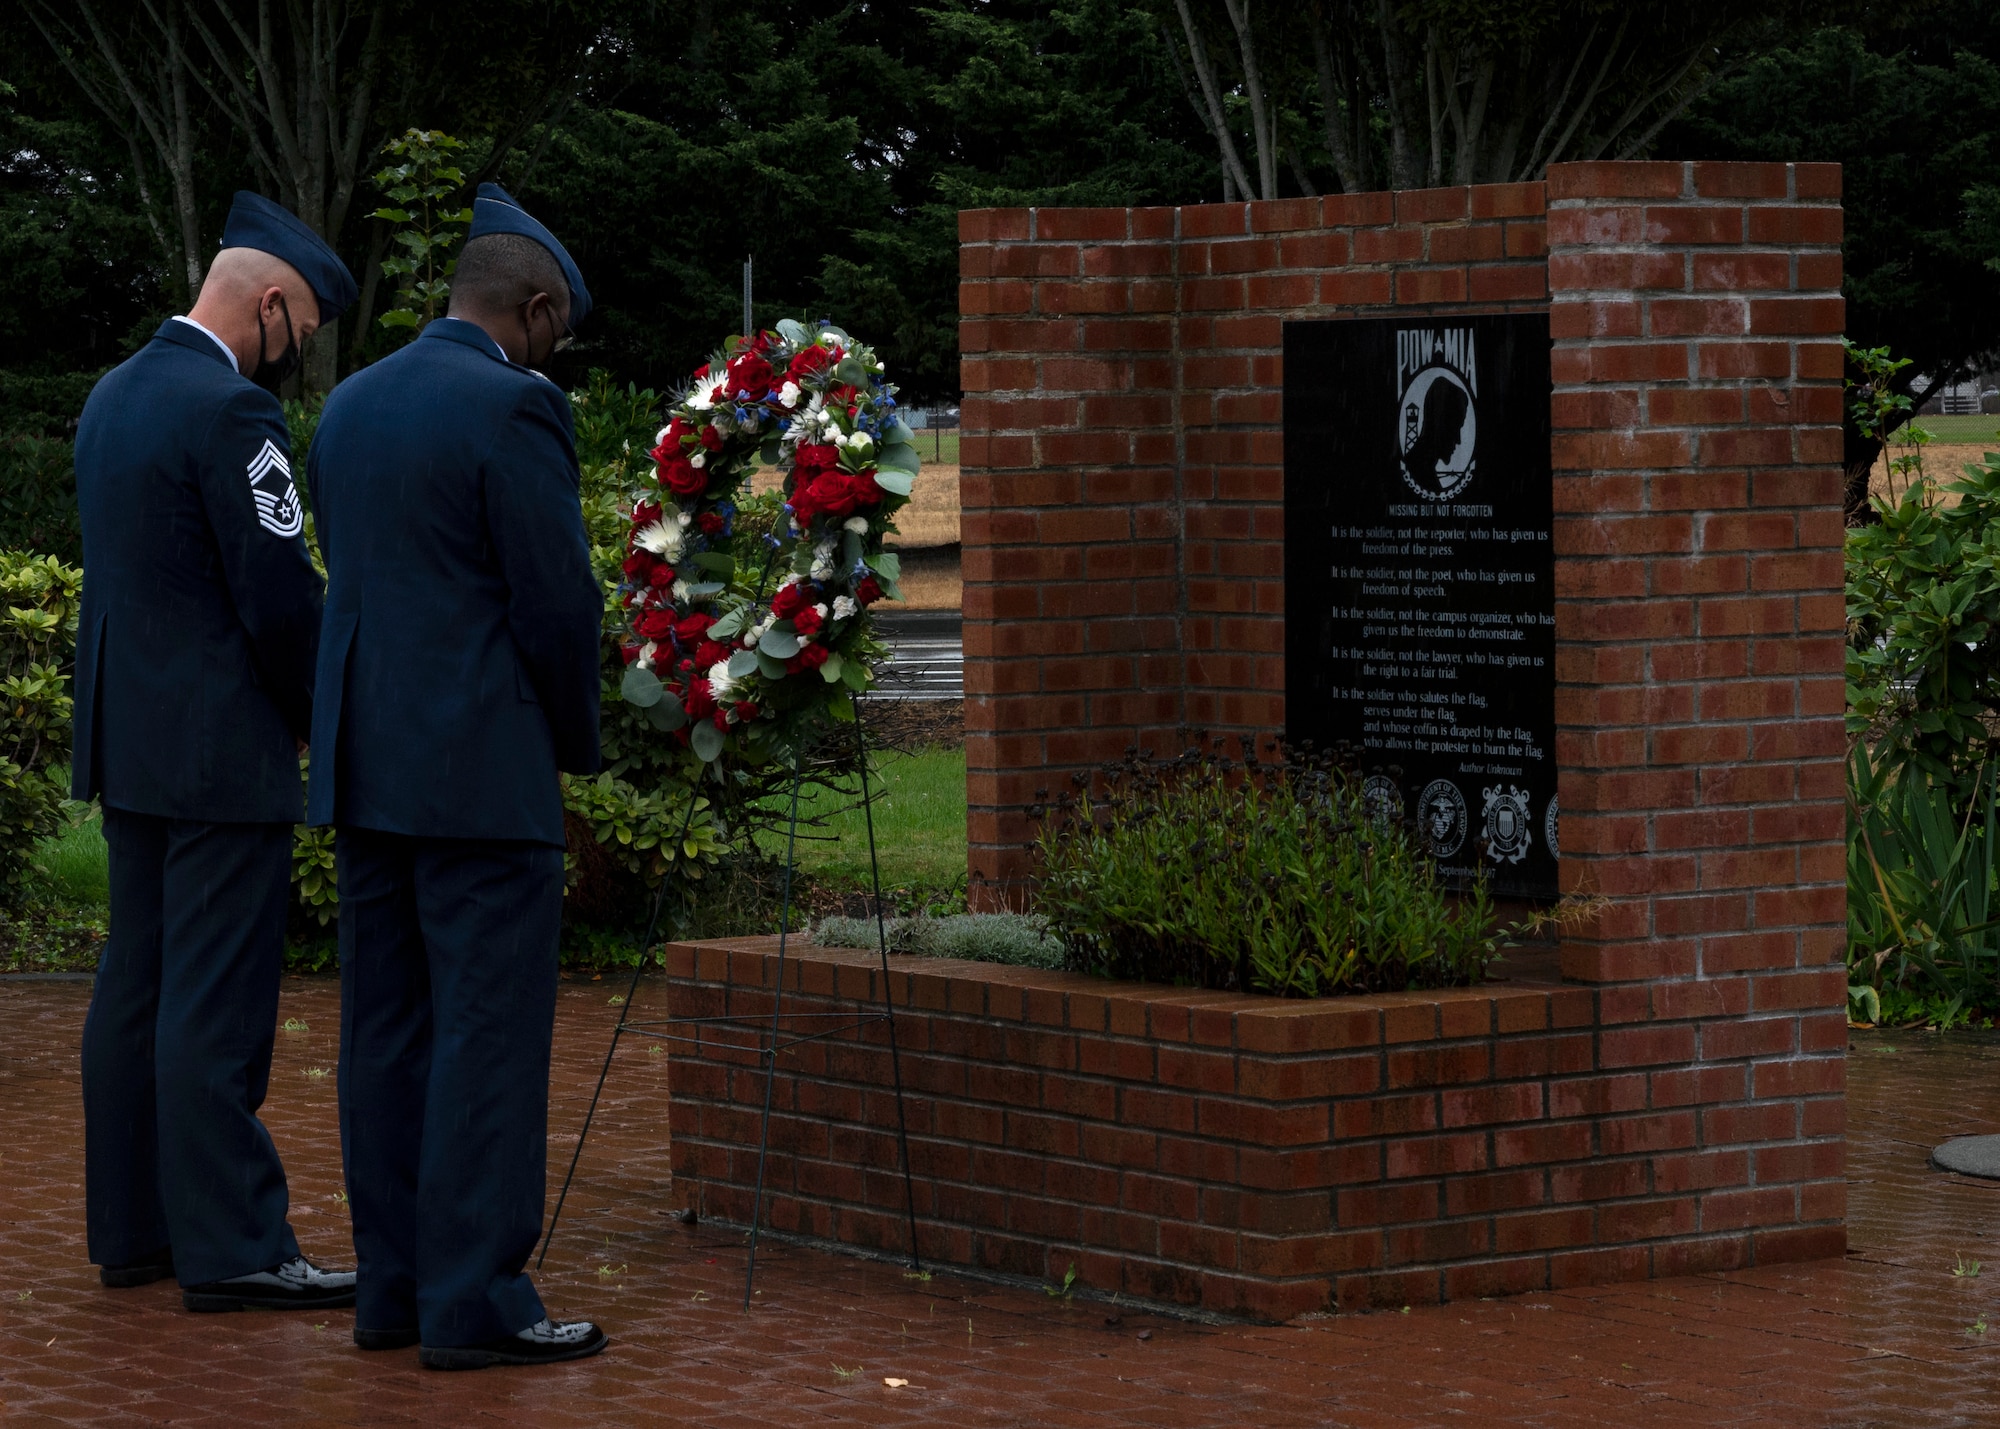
pixel 201 610
pixel 458 662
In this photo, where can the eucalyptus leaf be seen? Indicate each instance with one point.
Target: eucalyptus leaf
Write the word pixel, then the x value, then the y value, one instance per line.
pixel 743 662
pixel 903 458
pixel 641 687
pixel 729 627
pixel 830 671
pixel 793 331
pixel 897 432
pixel 707 741
pixel 771 667
pixel 668 715
pixel 700 590
pixel 780 641
pixel 721 562
pixel 768 452
pixel 896 483
pixel 850 370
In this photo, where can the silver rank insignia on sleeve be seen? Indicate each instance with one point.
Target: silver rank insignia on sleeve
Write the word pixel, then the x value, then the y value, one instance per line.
pixel 278 509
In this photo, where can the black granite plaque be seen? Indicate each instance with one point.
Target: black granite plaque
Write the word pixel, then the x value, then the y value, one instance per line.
pixel 1419 578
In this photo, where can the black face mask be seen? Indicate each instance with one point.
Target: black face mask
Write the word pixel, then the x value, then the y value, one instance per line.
pixel 271 374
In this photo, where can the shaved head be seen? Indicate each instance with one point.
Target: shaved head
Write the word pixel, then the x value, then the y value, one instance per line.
pixel 242 275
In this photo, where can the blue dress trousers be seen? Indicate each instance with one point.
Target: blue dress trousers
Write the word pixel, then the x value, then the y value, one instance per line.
pixel 458 673
pixel 196 647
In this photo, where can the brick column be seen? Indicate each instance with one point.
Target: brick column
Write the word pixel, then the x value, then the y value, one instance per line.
pixel 1071 517
pixel 1696 314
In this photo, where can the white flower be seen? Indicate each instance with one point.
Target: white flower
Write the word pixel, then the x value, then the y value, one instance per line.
pixel 683 520
pixel 698 460
pixel 857 524
pixel 646 654
pixel 662 540
pixel 860 443
pixel 721 683
pixel 821 608
pixel 788 395
pixel 659 436
pixel 681 590
pixel 844 607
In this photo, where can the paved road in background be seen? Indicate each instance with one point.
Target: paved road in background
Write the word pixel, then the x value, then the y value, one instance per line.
pixel 927 656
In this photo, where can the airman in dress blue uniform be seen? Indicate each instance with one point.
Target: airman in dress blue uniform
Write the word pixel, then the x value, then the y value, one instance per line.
pixel 194 687
pixel 458 672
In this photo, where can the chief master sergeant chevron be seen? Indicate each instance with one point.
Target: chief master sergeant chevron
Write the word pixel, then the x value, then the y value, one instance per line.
pixel 194 686
pixel 458 673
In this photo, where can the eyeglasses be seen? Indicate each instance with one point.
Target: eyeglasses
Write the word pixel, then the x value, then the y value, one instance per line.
pixel 563 338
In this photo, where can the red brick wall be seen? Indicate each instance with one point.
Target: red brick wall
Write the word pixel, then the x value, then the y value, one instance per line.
pixel 1245 1155
pixel 1123 518
pixel 1122 458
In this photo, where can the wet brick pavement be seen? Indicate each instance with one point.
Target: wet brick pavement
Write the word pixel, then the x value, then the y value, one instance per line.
pixel 1886 1337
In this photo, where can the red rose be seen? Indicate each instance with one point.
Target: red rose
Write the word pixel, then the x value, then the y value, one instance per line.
pixel 683 477
pixel 807 621
pixel 817 456
pixel 710 523
pixel 760 342
pixel 660 576
pixel 867 495
pixel 699 700
pixel 869 591
pixel 630 652
pixel 693 629
pixel 711 438
pixel 811 360
pixel 810 658
pixel 747 711
pixel 748 375
pixel 721 718
pixel 834 493
pixel 708 652
pixel 789 600
pixel 654 624
pixel 637 564
pixel 644 514
pixel 804 503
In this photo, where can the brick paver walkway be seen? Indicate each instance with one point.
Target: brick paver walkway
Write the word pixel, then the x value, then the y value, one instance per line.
pixel 1885 1338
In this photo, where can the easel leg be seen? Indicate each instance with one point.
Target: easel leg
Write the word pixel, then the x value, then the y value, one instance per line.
pixel 888 1002
pixel 771 1048
pixel 624 1011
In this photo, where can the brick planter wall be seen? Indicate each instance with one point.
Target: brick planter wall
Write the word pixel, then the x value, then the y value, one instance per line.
pixel 1244 1155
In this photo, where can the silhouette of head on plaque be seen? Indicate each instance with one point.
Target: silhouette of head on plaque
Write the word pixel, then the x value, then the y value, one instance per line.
pixel 1435 411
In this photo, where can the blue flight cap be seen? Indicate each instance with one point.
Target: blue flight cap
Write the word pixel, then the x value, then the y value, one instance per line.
pixel 256 222
pixel 494 211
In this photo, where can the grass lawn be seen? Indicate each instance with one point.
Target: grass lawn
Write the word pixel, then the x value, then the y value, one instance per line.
pixel 75 863
pixel 919 809
pixel 1962 431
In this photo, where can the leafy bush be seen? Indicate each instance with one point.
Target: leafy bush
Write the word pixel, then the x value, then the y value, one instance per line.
pixel 38 496
pixel 1268 877
pixel 1022 939
pixel 38 607
pixel 1923 901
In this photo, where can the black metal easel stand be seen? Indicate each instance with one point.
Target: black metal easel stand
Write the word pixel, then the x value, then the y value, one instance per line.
pixel 772 1037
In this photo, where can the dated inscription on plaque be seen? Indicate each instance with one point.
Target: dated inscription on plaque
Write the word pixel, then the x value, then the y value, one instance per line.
pixel 1419 597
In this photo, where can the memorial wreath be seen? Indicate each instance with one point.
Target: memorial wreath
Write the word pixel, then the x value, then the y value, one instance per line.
pixel 747 640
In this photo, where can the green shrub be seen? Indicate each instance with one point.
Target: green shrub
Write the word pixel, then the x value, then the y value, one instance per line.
pixel 1022 939
pixel 1266 877
pixel 1923 899
pixel 38 496
pixel 38 606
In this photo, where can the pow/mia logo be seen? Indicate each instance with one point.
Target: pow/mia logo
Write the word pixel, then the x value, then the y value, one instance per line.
pixel 1441 817
pixel 1549 827
pixel 1437 417
pixel 1505 825
pixel 278 509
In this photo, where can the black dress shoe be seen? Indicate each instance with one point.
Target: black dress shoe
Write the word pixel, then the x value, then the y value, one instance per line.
pixel 157 1266
pixel 297 1284
pixel 547 1343
pixel 386 1339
